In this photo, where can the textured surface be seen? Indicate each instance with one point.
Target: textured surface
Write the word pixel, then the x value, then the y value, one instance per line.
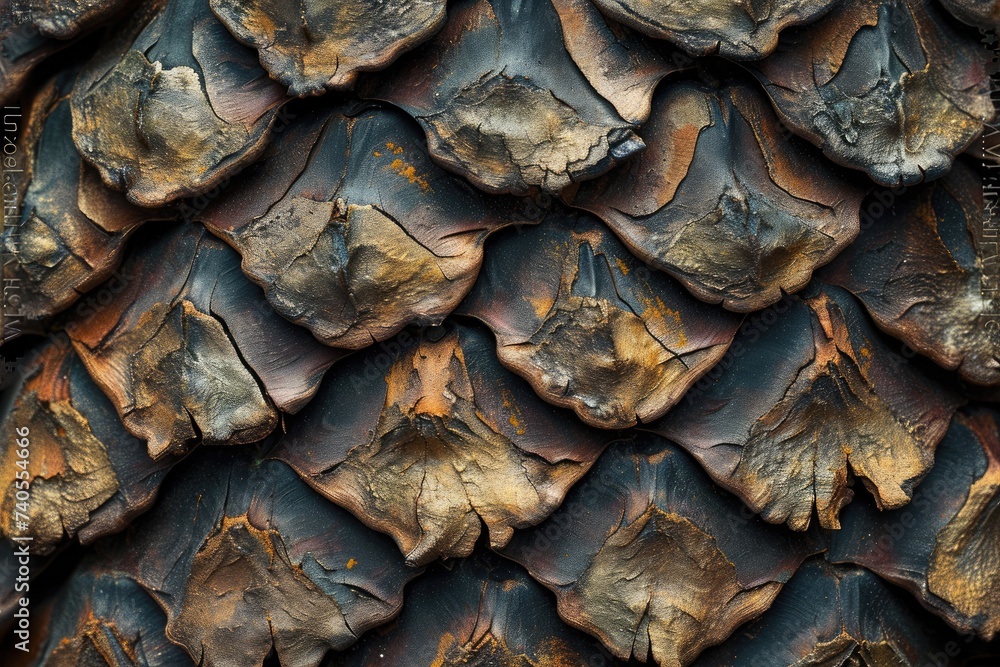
pixel 73 230
pixel 431 435
pixel 315 45
pixel 590 327
pixel 886 86
pixel 832 615
pixel 64 19
pixel 244 557
pixel 22 48
pixel 485 612
pixel 526 332
pixel 828 400
pixel 33 30
pixel 652 558
pixel 943 546
pixel 516 96
pixel 352 231
pixel 173 105
pixel 193 351
pixel 926 271
pixel 104 618
pixel 980 13
pixel 740 30
pixel 86 474
pixel 724 200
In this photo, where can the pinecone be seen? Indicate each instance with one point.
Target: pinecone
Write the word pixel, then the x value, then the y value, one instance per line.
pixel 500 333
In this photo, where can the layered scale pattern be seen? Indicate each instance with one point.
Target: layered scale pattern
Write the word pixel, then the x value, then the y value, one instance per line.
pixel 499 333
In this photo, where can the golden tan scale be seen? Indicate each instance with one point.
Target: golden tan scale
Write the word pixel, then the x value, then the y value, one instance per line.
pixel 447 441
pixel 317 45
pixel 592 329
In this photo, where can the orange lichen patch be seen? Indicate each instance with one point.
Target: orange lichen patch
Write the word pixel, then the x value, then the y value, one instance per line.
pixel 96 643
pixel 351 563
pixel 515 419
pixel 542 305
pixel 409 172
pixel 445 645
pixel 656 309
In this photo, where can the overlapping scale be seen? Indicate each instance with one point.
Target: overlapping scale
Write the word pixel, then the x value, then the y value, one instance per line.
pixel 517 96
pixel 926 270
pixel 78 471
pixel 190 351
pixel 725 200
pixel 352 230
pixel 72 230
pixel 427 436
pixel 831 400
pixel 738 30
pixel 591 327
pixel 173 104
pixel 941 547
pixel 654 559
pixel 890 87
pixel 319 45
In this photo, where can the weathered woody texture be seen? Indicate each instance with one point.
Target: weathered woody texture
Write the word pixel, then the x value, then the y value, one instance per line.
pixel 499 333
